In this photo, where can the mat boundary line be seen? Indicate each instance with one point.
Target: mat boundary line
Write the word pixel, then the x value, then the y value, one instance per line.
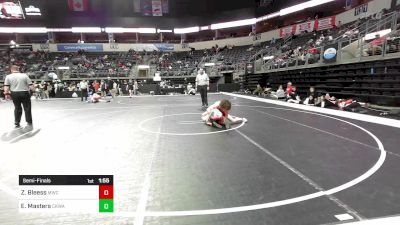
pixel 348 115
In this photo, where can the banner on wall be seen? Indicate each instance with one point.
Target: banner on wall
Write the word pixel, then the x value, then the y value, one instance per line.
pixel 146 7
pixel 76 47
pixel 360 9
pixel 156 7
pixel 307 26
pixel 289 30
pixel 165 47
pixel 325 23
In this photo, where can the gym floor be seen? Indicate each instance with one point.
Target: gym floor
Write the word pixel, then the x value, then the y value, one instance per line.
pixel 285 166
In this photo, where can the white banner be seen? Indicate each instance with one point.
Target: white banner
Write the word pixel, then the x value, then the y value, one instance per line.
pixel 156 7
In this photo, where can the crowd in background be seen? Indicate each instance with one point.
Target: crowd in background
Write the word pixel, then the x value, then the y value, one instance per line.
pixel 312 98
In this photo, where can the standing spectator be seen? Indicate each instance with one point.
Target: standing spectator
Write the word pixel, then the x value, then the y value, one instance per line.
pixel 55 88
pixel 109 86
pixel 96 86
pixel 19 85
pixel 45 90
pixel 203 85
pixel 135 87
pixel 114 89
pixel 129 88
pixel 50 89
pixel 84 89
pixel 103 88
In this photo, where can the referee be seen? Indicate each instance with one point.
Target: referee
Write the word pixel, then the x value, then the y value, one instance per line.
pixel 20 86
pixel 203 85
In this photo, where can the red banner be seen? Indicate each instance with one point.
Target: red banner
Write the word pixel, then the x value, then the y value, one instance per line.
pixel 325 23
pixel 307 26
pixel 78 5
pixel 285 31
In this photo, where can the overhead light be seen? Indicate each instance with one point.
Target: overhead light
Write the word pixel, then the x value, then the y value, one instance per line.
pixel 269 16
pixel 313 3
pixel 302 6
pixel 86 30
pixel 204 28
pixel 143 67
pixel 293 9
pixel 63 67
pixel 116 30
pixel 12 42
pixel 209 64
pixel 186 30
pixel 268 57
pixel 59 30
pixel 237 23
pixel 121 30
pixel 34 30
pixel 164 31
pixel 147 30
pixel 381 33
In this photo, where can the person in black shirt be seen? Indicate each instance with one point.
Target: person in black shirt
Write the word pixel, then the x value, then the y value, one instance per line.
pixel 129 88
pixel 311 97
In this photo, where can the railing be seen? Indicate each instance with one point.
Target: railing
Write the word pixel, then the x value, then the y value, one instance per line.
pixel 362 49
pixel 389 47
pixel 387 21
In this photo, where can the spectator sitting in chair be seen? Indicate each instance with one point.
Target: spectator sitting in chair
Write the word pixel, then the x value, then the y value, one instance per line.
pixel 311 97
pixel 258 90
pixel 293 97
pixel 328 102
pixel 266 91
pixel 280 93
pixel 377 44
pixel 190 89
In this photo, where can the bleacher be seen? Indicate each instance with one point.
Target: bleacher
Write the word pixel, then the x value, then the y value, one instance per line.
pixel 376 82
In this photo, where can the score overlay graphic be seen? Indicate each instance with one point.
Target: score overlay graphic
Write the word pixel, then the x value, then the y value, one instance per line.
pixel 66 193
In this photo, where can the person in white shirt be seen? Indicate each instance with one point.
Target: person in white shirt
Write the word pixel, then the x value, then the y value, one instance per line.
pixel 84 89
pixel 190 89
pixel 19 86
pixel 135 87
pixel 280 93
pixel 203 85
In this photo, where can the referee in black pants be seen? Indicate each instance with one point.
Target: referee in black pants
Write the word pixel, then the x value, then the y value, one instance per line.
pixel 20 86
pixel 203 85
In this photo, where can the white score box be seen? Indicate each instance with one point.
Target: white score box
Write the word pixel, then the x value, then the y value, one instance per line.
pixel 59 206
pixel 55 192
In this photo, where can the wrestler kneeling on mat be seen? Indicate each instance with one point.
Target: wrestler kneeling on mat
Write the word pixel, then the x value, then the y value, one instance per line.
pixel 96 98
pixel 217 115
